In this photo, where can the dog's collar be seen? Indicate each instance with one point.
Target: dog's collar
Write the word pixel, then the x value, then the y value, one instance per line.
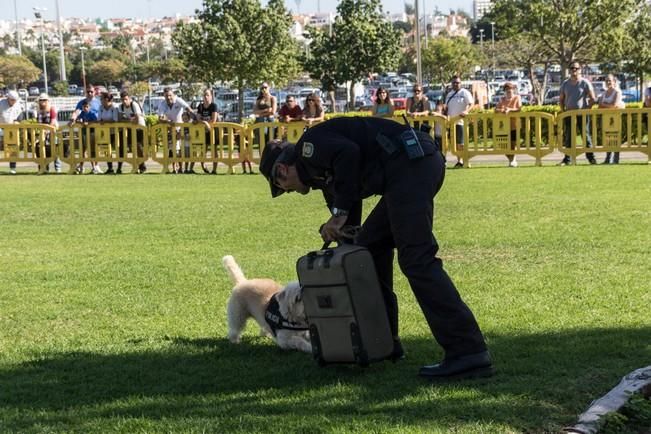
pixel 277 321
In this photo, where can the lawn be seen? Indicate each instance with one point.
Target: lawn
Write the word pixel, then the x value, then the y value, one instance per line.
pixel 113 299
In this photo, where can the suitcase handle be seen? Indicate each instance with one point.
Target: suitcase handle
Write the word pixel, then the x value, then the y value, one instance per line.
pixel 325 252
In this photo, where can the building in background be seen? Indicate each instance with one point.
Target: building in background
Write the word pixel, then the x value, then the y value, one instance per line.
pixel 480 8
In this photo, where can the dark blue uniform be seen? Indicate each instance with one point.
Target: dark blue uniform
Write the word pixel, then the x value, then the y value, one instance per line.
pixel 344 158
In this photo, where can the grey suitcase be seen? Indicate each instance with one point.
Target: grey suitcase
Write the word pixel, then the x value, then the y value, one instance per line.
pixel 344 306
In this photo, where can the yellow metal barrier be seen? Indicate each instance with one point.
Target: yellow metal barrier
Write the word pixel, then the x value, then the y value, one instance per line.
pixel 520 133
pixel 607 130
pixel 176 144
pixel 109 142
pixel 32 143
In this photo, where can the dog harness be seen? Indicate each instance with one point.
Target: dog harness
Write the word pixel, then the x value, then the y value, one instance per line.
pixel 276 320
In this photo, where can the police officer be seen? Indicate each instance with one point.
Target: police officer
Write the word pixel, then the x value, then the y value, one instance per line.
pixel 351 158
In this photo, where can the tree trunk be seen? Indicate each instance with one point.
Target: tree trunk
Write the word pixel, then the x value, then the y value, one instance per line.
pixel 351 96
pixel 333 103
pixel 240 101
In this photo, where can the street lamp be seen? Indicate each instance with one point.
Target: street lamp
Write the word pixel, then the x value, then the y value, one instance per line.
pixel 20 47
pixel 39 16
pixel 419 76
pixel 493 47
pixel 83 67
pixel 62 57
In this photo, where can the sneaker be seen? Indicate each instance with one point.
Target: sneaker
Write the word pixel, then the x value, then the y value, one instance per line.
pixel 563 163
pixel 142 168
pixel 459 165
pixel 12 171
pixel 109 171
pixel 513 164
pixel 119 171
pixel 592 161
pixel 97 170
pixel 57 170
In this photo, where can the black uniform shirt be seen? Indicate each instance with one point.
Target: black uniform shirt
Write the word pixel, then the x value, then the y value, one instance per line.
pixel 342 157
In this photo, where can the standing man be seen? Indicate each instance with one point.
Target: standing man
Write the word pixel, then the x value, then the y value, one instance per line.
pixel 458 102
pixel 352 158
pixel 94 104
pixel 171 110
pixel 10 113
pixel 576 93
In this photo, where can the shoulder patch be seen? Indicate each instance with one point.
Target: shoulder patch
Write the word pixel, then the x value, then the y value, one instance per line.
pixel 308 149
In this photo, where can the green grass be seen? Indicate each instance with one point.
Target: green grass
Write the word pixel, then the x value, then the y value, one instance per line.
pixel 113 297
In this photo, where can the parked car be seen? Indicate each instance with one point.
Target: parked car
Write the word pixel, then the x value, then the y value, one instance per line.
pixel 72 89
pixel 399 99
pixel 551 96
pixel 231 114
pixel 33 91
pixel 22 93
pixel 150 105
pixel 433 96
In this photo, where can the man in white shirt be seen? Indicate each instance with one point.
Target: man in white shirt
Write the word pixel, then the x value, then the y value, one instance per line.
pixel 130 111
pixel 10 112
pixel 171 110
pixel 458 102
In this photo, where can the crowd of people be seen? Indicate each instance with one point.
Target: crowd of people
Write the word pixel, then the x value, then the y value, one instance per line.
pixel 576 93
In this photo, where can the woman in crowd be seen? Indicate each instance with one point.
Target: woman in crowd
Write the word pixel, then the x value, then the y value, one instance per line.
pixel 110 113
pixel 509 103
pixel 383 106
pixel 611 99
pixel 417 105
pixel 207 113
pixel 312 110
pixel 46 114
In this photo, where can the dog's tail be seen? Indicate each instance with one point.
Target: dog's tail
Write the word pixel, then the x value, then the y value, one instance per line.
pixel 234 270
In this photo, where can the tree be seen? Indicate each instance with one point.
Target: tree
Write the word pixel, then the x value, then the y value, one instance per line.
pixel 445 57
pixel 106 71
pixel 570 29
pixel 362 42
pixel 524 51
pixel 16 70
pixel 239 41
pixel 629 48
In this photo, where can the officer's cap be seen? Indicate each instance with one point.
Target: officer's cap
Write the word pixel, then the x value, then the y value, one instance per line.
pixel 273 154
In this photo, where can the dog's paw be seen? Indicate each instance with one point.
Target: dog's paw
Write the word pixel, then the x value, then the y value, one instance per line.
pixel 235 339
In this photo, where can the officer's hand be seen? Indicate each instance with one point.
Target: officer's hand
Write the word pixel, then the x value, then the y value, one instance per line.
pixel 331 230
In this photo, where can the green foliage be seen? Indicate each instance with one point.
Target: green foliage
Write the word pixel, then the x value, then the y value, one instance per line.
pixel 60 88
pixel 634 417
pixel 239 41
pixel 106 71
pixel 445 57
pixel 362 42
pixel 15 70
pixel 570 29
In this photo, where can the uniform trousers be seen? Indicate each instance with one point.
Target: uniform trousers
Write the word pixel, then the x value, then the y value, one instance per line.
pixel 402 220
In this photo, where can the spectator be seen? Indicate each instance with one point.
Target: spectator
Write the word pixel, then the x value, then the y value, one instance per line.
pixel 86 116
pixel 458 102
pixel 647 97
pixel 108 113
pixel 171 110
pixel 611 99
pixel 576 93
pixel 510 102
pixel 418 105
pixel 383 106
pixel 264 110
pixel 290 111
pixel 208 114
pixel 131 111
pixel 93 103
pixel 312 111
pixel 10 113
pixel 46 114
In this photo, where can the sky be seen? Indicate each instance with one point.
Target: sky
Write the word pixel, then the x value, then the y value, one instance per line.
pixel 160 8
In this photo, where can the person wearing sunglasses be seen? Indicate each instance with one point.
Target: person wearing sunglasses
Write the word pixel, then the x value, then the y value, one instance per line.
pixel 290 111
pixel 458 102
pixel 312 111
pixel 418 104
pixel 352 158
pixel 576 93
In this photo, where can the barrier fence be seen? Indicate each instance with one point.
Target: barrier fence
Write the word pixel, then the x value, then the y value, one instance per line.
pixel 536 134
